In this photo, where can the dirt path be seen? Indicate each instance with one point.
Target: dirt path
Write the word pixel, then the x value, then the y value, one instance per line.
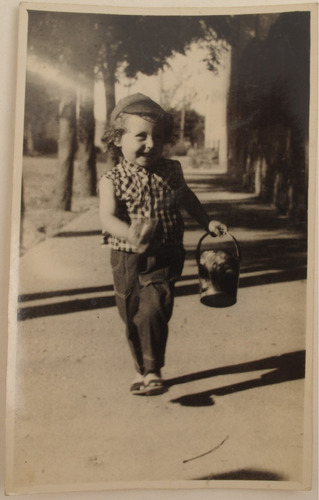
pixel 234 409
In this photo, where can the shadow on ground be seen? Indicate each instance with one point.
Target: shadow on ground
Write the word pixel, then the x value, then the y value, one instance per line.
pixel 284 368
pixel 244 475
pixel 70 306
pixel 245 212
pixel 264 259
pixel 289 266
pixel 72 234
pixel 60 293
pixel 273 261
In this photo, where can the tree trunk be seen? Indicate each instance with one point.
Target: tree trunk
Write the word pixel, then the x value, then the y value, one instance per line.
pixel 233 105
pixel 22 213
pixel 182 127
pixel 85 175
pixel 109 84
pixel 62 195
pixel 29 143
pixel 231 119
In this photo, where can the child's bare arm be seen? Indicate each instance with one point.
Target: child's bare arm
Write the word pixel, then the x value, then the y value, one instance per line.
pixel 110 222
pixel 194 208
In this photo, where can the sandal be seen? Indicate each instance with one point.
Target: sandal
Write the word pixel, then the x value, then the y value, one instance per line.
pixel 137 385
pixel 153 385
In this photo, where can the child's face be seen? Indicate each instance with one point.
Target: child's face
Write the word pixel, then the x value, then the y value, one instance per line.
pixel 142 141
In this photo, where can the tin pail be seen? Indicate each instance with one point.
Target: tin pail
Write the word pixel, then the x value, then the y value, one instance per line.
pixel 218 273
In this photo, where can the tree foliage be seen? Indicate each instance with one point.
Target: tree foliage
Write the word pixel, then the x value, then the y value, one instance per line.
pixel 80 45
pixel 269 111
pixel 80 42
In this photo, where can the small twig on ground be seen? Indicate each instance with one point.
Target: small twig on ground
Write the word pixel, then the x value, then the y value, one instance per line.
pixel 207 452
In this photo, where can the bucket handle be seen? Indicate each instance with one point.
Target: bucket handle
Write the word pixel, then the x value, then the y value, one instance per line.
pixel 213 236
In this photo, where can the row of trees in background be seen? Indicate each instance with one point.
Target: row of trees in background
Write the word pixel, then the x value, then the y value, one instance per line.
pixel 82 46
pixel 267 107
pixel 41 129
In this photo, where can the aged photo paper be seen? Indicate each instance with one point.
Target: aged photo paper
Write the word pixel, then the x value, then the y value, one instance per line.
pixel 237 409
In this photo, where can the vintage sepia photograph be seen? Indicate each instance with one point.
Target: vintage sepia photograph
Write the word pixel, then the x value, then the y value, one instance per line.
pixel 161 309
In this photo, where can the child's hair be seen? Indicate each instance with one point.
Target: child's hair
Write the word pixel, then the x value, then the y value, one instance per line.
pixel 116 128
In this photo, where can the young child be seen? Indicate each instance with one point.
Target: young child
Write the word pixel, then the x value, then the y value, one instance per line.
pixel 140 206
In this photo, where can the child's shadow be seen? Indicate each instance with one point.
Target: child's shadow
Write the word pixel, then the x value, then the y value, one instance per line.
pixel 290 366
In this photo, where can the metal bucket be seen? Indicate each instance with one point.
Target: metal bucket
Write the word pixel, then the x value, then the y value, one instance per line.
pixel 218 273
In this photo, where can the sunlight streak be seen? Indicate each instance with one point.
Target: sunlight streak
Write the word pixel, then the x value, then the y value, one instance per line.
pixel 48 72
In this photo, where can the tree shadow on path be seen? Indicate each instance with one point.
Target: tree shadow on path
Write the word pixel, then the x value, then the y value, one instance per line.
pixel 272 248
pixel 277 252
pixel 67 307
pixel 26 297
pixel 236 209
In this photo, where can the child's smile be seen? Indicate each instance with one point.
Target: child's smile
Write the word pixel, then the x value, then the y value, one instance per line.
pixel 142 141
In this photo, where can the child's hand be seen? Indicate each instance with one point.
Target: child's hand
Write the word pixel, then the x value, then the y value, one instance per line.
pixel 217 228
pixel 140 233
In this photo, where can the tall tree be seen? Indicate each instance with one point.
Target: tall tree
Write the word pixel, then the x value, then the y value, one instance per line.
pixel 268 108
pixel 83 43
pixel 85 46
pixel 49 47
pixel 144 43
pixel 62 193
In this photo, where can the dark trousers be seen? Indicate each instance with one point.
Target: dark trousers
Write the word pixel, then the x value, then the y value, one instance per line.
pixel 144 292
